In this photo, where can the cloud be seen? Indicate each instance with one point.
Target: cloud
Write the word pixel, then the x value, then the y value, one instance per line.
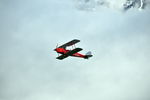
pixel 115 4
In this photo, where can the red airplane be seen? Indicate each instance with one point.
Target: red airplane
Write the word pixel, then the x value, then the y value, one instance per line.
pixel 65 53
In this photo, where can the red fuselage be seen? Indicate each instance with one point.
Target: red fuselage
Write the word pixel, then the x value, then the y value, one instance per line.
pixel 64 51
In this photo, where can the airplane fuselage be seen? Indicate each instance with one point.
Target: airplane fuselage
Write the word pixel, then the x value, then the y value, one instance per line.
pixel 64 51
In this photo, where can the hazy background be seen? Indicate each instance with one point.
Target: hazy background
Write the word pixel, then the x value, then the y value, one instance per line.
pixel 119 41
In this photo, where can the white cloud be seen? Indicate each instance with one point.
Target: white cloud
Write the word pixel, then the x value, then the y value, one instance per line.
pixel 115 4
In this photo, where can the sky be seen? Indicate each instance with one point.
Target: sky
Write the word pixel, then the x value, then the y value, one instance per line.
pixel 119 41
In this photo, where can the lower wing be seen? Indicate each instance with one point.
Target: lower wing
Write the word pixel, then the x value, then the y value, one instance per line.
pixel 62 57
pixel 70 53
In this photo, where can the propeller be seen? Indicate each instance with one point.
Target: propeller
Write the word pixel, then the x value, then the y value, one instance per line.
pixel 56 48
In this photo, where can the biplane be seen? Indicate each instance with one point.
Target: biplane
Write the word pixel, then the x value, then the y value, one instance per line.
pixel 74 52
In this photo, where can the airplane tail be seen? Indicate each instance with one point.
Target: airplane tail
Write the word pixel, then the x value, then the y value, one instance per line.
pixel 88 54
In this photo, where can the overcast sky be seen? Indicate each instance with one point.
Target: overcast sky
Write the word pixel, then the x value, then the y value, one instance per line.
pixel 119 41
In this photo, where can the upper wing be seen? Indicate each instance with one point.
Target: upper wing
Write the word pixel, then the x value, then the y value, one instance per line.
pixel 69 43
pixel 70 53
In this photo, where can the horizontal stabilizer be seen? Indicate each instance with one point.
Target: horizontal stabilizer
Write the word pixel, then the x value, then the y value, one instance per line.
pixel 88 55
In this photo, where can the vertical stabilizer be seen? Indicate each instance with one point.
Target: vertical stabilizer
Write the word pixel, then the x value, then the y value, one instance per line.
pixel 88 54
